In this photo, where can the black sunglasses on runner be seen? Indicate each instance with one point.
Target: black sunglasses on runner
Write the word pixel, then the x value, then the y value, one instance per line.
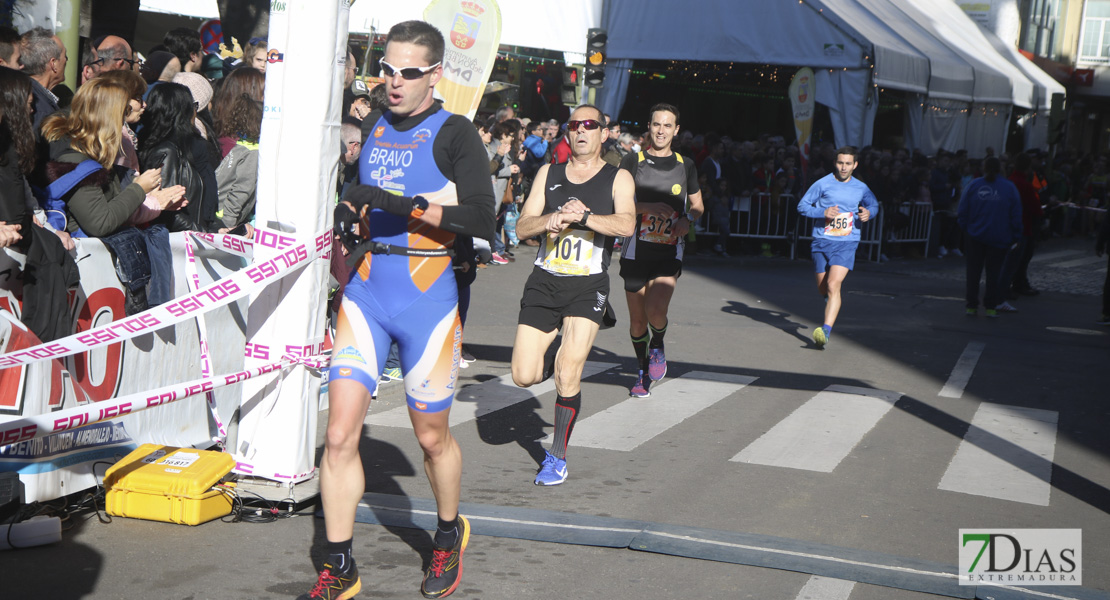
pixel 588 124
pixel 409 73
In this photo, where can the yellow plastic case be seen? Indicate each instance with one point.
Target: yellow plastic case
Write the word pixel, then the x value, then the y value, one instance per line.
pixel 163 483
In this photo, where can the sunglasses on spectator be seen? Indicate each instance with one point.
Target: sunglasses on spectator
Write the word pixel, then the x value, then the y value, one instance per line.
pixel 409 73
pixel 96 63
pixel 587 124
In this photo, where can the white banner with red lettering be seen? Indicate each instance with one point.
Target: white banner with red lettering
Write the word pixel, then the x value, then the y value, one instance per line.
pixel 105 368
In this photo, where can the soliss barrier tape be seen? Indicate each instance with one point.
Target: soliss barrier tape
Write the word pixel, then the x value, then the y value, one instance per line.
pixel 294 255
pixel 28 428
pixel 192 278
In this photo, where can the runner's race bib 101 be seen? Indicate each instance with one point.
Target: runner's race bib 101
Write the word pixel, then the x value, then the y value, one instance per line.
pixel 570 253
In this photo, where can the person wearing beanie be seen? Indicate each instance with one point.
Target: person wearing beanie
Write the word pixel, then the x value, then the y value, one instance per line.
pixel 201 91
pixel 160 66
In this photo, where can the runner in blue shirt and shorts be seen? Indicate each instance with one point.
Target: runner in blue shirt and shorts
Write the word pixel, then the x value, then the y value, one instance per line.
pixel 841 203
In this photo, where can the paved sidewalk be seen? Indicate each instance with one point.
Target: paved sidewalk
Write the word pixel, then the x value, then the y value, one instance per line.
pixel 1066 265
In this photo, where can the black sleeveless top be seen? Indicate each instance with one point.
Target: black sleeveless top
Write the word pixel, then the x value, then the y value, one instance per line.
pixel 578 250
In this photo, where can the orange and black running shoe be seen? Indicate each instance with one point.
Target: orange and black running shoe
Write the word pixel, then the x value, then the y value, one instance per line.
pixel 334 586
pixel 445 572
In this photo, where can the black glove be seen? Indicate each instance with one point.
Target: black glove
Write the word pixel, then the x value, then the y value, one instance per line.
pixel 375 197
pixel 344 228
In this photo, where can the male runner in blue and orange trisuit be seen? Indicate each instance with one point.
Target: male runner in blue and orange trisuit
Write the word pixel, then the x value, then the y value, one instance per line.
pixel 425 178
pixel 839 202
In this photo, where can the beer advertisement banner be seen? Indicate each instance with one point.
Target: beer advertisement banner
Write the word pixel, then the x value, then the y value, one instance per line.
pixel 472 30
pixel 803 95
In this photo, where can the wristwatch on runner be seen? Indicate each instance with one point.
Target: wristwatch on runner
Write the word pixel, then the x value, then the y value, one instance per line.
pixel 419 205
pixel 585 216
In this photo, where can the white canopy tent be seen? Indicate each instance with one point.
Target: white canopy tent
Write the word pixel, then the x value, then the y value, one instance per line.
pixel 839 39
pixel 964 89
pixel 1036 125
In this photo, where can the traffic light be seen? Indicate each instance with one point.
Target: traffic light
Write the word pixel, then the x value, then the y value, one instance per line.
pixel 570 87
pixel 1056 119
pixel 596 40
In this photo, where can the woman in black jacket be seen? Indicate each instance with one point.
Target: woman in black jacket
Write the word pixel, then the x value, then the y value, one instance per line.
pixel 17 157
pixel 169 139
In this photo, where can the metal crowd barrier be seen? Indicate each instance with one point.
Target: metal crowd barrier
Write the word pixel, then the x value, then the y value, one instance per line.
pixel 920 226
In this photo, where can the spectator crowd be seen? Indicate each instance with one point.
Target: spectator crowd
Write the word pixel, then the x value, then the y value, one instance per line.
pixel 168 141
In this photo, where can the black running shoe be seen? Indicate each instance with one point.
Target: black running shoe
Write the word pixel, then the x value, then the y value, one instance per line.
pixel 445 572
pixel 331 586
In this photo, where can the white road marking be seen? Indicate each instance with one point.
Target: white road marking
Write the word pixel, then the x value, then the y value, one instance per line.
pixel 1042 257
pixel 629 424
pixel 1006 453
pixel 1079 262
pixel 477 400
pixel 821 432
pixel 826 588
pixel 1076 330
pixel 961 373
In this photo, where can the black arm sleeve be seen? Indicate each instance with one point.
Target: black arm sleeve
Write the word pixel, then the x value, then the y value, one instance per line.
pixel 460 155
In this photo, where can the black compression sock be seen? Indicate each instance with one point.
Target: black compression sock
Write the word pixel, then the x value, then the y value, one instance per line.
pixel 657 336
pixel 339 556
pixel 640 344
pixel 447 533
pixel 566 413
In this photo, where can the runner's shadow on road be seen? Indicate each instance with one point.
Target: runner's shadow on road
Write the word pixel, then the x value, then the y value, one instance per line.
pixel 774 318
pixel 382 464
pixel 520 423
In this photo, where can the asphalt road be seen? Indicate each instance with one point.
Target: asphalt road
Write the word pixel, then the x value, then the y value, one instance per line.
pixel 885 479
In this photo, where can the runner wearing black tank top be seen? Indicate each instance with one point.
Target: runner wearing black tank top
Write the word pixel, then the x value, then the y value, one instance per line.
pixel 581 206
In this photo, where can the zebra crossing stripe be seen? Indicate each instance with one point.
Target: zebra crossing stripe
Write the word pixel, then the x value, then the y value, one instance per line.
pixel 1006 453
pixel 1080 262
pixel 961 373
pixel 821 432
pixel 481 399
pixel 826 588
pixel 629 424
pixel 1047 256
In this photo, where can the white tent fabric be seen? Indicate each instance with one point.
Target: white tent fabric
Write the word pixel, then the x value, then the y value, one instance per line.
pixel 852 104
pixel 959 31
pixel 549 25
pixel 202 9
pixel 615 90
pixel 1035 125
pixel 991 85
pixel 948 76
pixel 841 35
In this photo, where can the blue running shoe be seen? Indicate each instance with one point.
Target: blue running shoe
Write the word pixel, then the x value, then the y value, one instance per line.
pixel 393 374
pixel 657 364
pixel 640 389
pixel 553 471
